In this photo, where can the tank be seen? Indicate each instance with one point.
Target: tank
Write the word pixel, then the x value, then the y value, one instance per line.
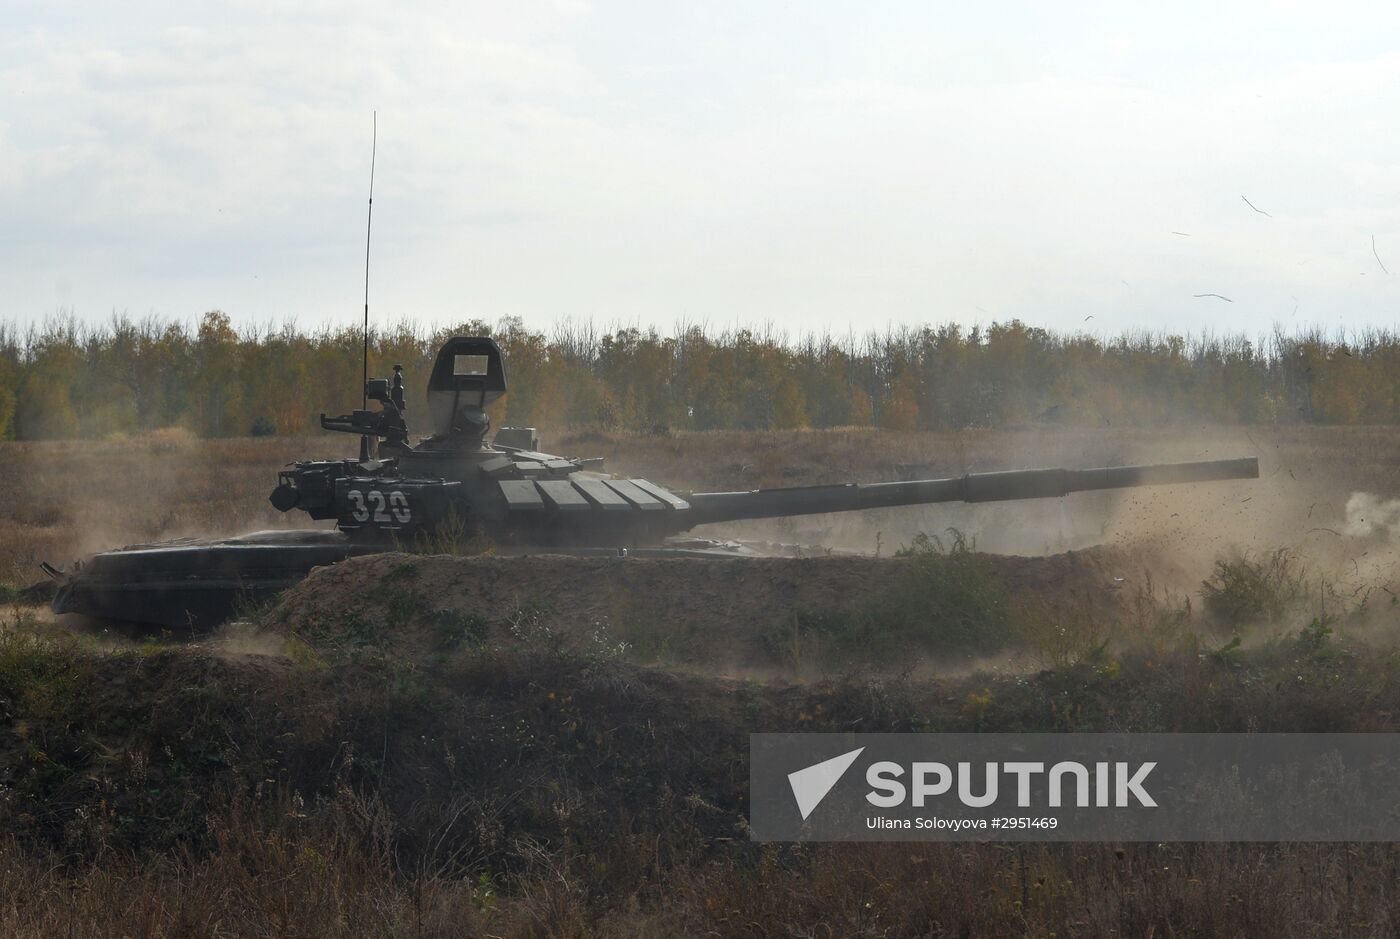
pixel 461 478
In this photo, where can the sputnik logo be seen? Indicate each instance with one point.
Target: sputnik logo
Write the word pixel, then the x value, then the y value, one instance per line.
pixel 810 785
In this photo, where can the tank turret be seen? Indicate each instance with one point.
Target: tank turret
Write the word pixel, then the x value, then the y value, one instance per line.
pixel 516 494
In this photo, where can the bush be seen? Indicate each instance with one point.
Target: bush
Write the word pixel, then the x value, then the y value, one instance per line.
pixel 262 427
pixel 1244 592
pixel 949 601
pixel 454 628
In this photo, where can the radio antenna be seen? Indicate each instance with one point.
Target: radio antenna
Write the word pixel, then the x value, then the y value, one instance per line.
pixel 369 222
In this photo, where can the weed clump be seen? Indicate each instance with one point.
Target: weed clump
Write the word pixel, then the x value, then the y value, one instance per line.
pixel 43 679
pixel 452 535
pixel 457 628
pixel 950 601
pixel 1246 592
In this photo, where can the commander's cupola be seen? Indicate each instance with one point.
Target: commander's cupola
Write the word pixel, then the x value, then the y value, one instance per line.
pixel 469 374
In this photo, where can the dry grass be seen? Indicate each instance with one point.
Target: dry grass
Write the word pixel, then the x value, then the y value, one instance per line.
pixel 262 883
pixel 509 785
pixel 512 790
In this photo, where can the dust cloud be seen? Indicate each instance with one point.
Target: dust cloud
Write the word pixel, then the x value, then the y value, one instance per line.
pixel 1369 515
pixel 74 498
pixel 1329 496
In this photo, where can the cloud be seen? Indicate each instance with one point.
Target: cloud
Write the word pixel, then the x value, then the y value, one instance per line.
pixel 556 159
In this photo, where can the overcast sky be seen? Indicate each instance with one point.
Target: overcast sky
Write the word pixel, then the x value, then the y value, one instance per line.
pixel 810 165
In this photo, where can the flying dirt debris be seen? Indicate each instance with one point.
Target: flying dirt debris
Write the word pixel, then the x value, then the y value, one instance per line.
pixel 400 494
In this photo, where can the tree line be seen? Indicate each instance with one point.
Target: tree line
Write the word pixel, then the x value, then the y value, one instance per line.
pixel 66 379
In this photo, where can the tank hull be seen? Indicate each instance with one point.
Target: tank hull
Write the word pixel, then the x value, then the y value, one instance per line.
pixel 197 583
pixel 194 584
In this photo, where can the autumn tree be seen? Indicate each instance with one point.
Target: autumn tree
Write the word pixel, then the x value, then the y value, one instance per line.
pixel 63 378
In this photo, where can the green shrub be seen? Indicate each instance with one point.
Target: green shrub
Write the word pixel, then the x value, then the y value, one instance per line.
pixel 950 601
pixel 1246 592
pixel 47 679
pixel 457 628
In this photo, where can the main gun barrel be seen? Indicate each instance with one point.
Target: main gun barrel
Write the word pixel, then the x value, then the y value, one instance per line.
pixel 974 487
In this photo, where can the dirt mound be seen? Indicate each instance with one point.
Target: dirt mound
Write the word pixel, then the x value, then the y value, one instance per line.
pixel 729 614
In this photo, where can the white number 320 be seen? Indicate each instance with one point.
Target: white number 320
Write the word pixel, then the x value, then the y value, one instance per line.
pixel 384 507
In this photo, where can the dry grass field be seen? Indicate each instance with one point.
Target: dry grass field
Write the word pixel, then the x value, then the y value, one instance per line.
pixel 442 746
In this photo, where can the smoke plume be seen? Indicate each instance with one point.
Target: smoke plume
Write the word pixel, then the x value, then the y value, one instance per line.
pixel 1369 514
